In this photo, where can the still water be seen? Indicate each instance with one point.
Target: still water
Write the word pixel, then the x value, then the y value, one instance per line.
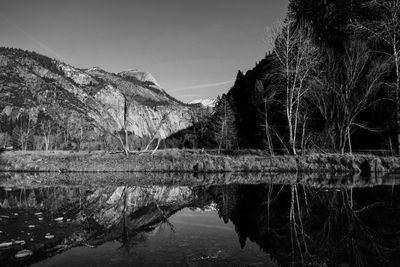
pixel 340 223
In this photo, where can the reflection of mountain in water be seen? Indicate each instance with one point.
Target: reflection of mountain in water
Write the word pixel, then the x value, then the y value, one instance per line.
pixel 293 223
pixel 96 216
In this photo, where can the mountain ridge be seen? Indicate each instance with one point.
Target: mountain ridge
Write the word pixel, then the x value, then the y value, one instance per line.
pixel 99 98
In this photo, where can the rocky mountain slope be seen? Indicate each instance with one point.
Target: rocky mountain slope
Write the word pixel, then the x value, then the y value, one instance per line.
pixel 100 99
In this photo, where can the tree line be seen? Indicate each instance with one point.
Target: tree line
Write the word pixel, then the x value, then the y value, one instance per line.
pixel 330 82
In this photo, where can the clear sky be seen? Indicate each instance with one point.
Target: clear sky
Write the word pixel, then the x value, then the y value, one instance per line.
pixel 194 48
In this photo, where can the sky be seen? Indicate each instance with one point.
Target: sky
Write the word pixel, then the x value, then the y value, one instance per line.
pixel 193 48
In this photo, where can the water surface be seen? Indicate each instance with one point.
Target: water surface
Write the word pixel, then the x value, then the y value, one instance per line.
pixel 342 222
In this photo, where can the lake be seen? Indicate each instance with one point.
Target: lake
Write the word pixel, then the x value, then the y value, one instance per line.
pixel 343 221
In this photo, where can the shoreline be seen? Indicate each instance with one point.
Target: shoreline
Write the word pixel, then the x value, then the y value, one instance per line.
pixel 315 180
pixel 193 161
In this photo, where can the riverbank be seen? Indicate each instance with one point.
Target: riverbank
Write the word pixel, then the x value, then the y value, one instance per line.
pixel 107 179
pixel 174 160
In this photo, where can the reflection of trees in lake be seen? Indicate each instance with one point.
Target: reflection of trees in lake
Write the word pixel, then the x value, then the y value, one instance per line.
pixel 49 199
pixel 295 224
pixel 305 225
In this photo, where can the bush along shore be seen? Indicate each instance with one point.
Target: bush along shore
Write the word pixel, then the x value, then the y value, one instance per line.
pixel 175 160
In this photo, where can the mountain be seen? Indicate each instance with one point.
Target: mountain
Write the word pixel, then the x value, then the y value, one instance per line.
pixel 204 102
pixel 98 99
pixel 142 76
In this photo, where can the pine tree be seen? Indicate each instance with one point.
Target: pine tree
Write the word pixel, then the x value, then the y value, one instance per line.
pixel 225 132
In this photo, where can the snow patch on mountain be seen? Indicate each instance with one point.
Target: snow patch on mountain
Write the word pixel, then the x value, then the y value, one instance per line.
pixel 205 102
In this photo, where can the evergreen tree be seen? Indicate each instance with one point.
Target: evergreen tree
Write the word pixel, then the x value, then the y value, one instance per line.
pixel 225 132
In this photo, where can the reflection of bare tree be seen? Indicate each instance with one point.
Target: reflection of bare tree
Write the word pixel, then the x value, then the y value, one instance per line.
pixel 296 224
pixel 297 233
pixel 300 225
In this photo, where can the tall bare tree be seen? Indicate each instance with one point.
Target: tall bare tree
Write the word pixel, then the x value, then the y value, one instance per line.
pixel 47 129
pixel 267 98
pixel 51 109
pixel 357 92
pixel 26 118
pixel 125 142
pixel 386 28
pixel 296 58
pixel 346 86
pixel 156 134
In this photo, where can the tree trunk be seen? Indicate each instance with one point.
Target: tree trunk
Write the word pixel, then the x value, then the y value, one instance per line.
pixel 349 139
pixel 342 139
pixel 397 96
pixel 126 151
pixel 289 119
pixel 158 144
pixel 303 133
pixel 46 142
pixel 127 148
pixel 267 133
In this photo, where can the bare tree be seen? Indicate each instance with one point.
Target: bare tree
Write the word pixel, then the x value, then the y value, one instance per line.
pixel 323 98
pixel 346 87
pixel 296 58
pixel 27 118
pixel 156 134
pixel 50 107
pixel 357 92
pixel 121 135
pixel 125 124
pixel 47 129
pixel 267 98
pixel 386 28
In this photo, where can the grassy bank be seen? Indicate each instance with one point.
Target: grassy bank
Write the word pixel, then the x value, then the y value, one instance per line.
pixel 105 179
pixel 175 160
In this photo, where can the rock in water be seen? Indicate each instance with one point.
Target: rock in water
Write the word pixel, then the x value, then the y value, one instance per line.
pixel 49 236
pixel 8 244
pixel 59 219
pixel 23 253
pixel 5 244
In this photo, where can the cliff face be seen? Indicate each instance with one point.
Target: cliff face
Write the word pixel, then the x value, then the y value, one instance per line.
pixel 29 81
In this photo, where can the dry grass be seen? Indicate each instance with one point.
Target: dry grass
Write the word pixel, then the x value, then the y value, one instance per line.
pixel 175 160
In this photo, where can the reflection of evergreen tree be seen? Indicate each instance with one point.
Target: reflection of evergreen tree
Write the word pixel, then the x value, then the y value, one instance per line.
pixel 242 237
pixel 227 198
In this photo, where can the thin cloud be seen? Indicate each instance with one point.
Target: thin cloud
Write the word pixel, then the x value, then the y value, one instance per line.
pixel 187 96
pixel 206 85
pixel 30 37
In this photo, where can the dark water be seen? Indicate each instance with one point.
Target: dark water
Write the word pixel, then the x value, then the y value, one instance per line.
pixel 340 223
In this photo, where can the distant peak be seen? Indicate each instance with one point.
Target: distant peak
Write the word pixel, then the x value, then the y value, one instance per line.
pixel 204 102
pixel 95 68
pixel 141 75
